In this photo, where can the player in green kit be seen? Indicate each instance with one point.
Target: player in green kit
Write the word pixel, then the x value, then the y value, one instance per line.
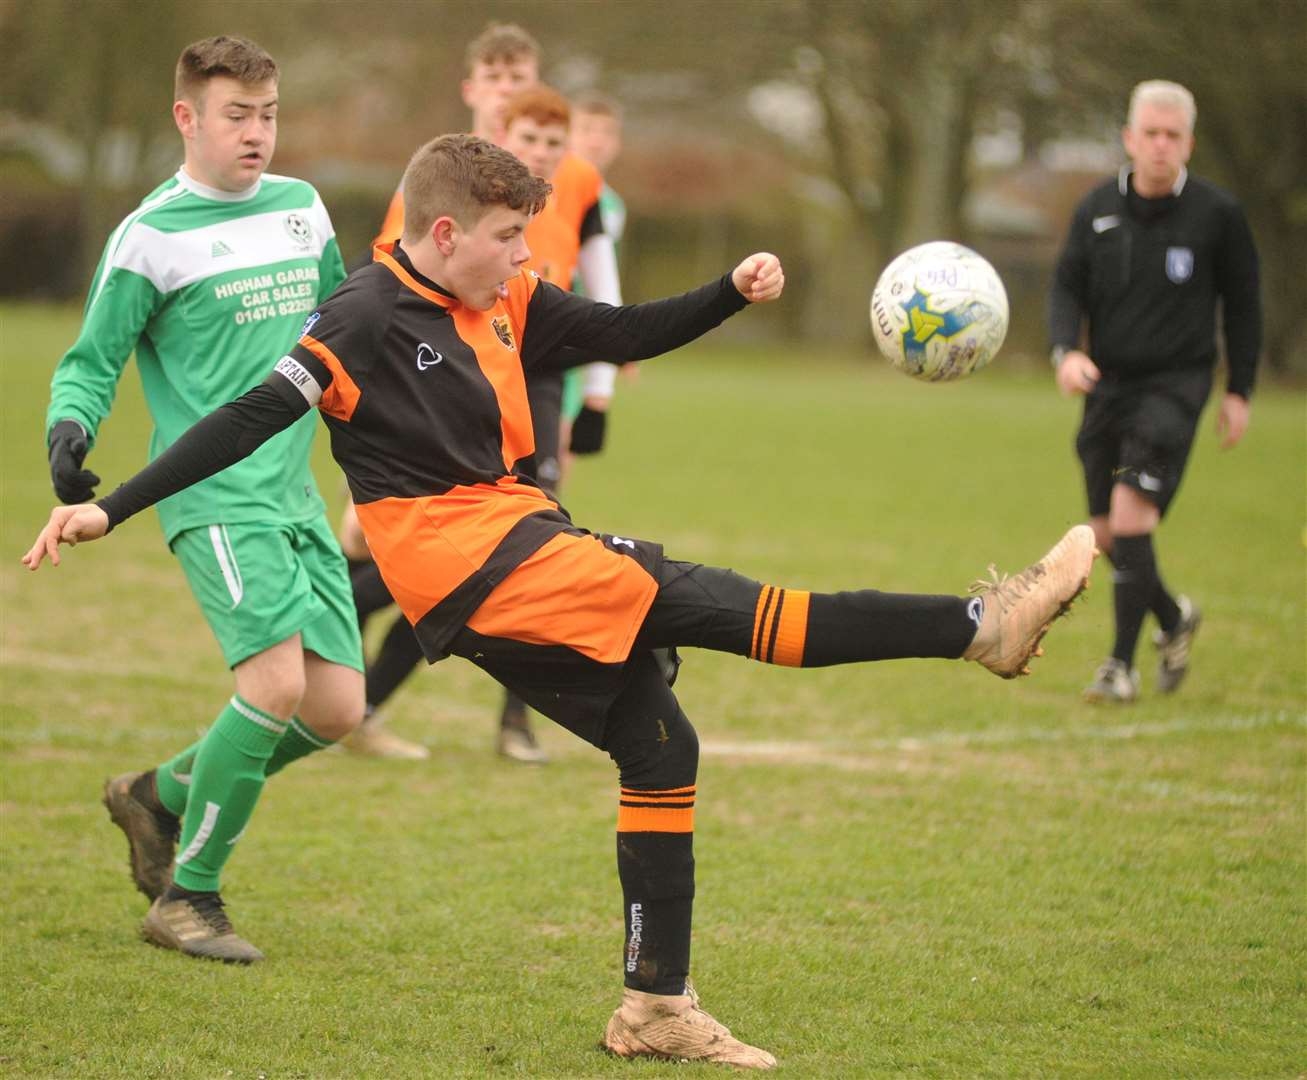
pixel 209 281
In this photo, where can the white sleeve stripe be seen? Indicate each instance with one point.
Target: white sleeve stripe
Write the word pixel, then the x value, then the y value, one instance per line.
pixel 116 237
pixel 301 378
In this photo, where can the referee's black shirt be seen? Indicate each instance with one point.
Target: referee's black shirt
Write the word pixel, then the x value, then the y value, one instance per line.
pixel 1147 273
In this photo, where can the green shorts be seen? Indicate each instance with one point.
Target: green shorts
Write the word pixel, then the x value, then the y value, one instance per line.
pixel 573 392
pixel 260 584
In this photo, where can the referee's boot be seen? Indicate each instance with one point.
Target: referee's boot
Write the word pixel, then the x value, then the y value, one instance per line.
pixel 132 800
pixel 197 925
pixel 1173 648
pixel 1019 610
pixel 677 1028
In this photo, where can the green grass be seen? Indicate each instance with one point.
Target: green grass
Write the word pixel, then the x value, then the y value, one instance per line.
pixel 904 869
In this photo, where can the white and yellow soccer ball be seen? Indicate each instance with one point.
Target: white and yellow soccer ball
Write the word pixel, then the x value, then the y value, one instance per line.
pixel 939 311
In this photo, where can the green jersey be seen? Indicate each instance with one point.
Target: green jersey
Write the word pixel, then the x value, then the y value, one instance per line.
pixel 210 289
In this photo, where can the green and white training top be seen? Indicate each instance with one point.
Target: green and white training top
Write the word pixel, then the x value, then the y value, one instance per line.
pixel 210 289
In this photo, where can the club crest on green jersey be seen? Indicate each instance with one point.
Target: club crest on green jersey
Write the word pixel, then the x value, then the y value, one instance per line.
pixel 299 230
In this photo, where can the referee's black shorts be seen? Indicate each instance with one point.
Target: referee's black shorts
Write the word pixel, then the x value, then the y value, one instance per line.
pixel 1139 432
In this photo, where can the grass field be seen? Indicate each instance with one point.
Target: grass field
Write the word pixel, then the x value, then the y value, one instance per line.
pixel 904 869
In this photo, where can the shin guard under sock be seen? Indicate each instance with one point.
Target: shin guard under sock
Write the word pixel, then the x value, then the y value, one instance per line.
pixel 655 862
pixel 225 786
pixel 172 780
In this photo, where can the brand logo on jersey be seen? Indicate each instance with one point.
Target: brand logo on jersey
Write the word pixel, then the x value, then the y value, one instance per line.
pixel 1179 264
pixel 1107 221
pixel 299 230
pixel 219 248
pixel 504 331
pixel 618 541
pixel 1149 482
pixel 427 357
pixel 310 322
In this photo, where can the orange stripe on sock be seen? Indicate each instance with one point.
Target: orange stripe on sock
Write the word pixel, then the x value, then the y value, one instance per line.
pixel 792 630
pixel 637 793
pixel 655 819
pixel 759 617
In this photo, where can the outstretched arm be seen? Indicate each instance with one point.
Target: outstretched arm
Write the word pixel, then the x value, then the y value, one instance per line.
pixel 564 329
pixel 224 437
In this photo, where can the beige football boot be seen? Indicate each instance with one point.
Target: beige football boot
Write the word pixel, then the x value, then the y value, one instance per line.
pixel 373 739
pixel 197 926
pixel 1019 610
pixel 519 744
pixel 677 1028
pixel 515 740
pixel 134 806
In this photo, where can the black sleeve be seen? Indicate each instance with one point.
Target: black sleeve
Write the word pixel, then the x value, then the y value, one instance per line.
pixel 564 330
pixel 593 222
pixel 224 437
pixel 1066 298
pixel 1240 289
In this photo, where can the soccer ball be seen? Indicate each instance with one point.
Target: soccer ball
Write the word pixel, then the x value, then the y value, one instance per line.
pixel 939 312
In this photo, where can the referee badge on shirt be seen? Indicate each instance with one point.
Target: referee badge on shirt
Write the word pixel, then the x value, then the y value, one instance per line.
pixel 504 332
pixel 1179 264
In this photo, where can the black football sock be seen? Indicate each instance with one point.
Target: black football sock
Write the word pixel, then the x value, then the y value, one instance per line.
pixel 819 629
pixel 1133 584
pixel 1163 604
pixel 656 869
pixel 399 654
pixel 712 608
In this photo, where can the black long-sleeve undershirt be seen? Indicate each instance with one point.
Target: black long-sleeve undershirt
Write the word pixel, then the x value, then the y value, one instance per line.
pixel 227 435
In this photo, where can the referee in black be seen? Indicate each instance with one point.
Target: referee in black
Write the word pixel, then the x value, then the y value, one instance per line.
pixel 1147 259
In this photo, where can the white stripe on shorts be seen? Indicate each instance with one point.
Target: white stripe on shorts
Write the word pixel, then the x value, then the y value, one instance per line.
pixel 231 573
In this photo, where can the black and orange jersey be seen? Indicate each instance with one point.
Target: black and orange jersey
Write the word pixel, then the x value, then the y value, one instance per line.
pixel 426 403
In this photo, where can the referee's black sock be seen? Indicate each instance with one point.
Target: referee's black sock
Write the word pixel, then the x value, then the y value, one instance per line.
pixel 1134 584
pixel 1163 604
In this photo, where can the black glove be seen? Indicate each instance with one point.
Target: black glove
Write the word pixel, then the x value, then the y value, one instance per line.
pixel 68 446
pixel 588 431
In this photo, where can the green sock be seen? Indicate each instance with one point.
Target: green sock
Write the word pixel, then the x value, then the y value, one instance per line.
pixel 299 741
pixel 225 785
pixel 173 779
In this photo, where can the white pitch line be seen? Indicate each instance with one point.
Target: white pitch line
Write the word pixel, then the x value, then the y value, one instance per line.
pixel 847 755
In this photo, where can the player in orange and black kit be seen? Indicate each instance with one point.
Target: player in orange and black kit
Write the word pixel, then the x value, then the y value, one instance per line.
pixel 510 107
pixel 417 364
pixel 567 235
